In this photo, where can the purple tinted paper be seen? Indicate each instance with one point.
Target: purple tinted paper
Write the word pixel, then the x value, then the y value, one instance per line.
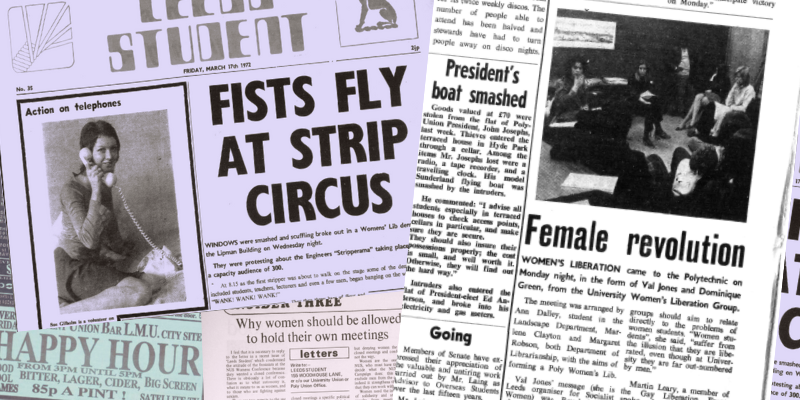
pixel 786 366
pixel 266 151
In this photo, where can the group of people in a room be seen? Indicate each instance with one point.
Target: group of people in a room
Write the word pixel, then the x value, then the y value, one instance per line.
pixel 704 115
pixel 714 167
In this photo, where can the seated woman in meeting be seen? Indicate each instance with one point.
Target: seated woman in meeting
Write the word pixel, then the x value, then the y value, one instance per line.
pixel 715 88
pixel 646 103
pixel 570 90
pixel 711 112
pixel 720 82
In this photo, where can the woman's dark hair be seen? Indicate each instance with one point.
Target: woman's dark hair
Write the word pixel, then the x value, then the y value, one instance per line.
pixel 731 123
pixel 572 61
pixel 704 160
pixel 639 63
pixel 93 130
pixel 739 154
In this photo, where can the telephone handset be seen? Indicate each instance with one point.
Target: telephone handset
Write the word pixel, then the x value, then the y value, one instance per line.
pixel 86 159
pixel 109 180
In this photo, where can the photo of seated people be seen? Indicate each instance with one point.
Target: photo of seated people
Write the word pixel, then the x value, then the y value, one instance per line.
pixel 652 115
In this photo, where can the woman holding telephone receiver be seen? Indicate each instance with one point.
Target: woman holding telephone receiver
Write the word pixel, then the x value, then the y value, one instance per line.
pixel 92 260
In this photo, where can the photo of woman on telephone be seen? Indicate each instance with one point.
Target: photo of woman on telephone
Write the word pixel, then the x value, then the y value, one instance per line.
pixel 92 260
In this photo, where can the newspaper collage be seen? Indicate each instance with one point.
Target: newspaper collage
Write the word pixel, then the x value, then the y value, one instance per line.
pixel 253 146
pixel 399 199
pixel 568 245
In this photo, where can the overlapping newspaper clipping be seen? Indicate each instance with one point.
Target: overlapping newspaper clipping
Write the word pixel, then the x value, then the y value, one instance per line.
pixel 589 176
pixel 599 200
pixel 339 348
pixel 785 367
pixel 147 359
pixel 262 152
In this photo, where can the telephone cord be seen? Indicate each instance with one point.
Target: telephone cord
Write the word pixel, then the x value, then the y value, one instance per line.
pixel 139 227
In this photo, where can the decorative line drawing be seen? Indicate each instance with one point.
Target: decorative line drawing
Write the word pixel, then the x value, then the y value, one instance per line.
pixel 41 37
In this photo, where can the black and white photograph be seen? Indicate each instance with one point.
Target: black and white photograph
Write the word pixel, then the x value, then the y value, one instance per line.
pixel 665 120
pixel 107 255
pixel 112 201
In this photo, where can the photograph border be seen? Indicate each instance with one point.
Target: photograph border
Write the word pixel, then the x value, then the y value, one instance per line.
pixel 198 230
pixel 551 49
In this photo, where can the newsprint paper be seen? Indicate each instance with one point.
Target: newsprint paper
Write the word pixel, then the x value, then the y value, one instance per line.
pixel 222 153
pixel 6 283
pixel 599 200
pixel 786 366
pixel 148 359
pixel 333 349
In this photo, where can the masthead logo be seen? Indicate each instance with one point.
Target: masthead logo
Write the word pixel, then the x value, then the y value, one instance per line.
pixel 41 37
